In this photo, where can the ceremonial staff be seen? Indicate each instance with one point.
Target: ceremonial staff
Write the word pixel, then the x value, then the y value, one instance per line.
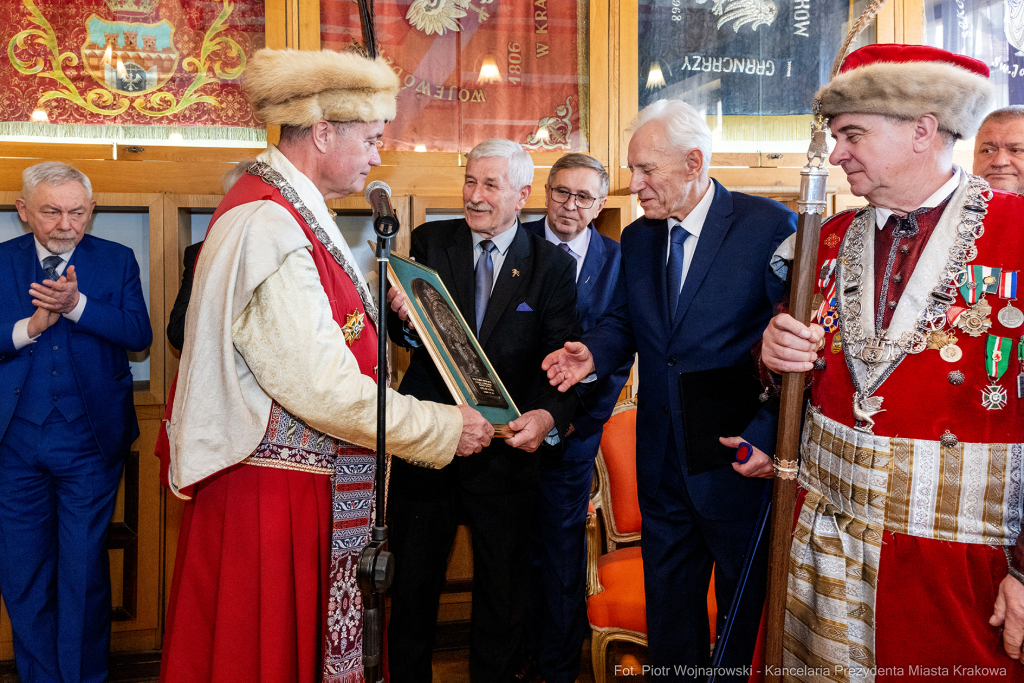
pixel 376 566
pixel 811 207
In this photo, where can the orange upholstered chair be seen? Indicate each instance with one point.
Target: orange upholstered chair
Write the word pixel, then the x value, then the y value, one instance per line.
pixel 616 604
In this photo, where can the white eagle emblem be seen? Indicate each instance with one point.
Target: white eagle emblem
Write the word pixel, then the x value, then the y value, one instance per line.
pixel 1013 23
pixel 742 12
pixel 436 16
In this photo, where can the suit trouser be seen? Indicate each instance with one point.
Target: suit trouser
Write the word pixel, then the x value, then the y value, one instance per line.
pixel 679 547
pixel 57 496
pixel 557 624
pixel 425 507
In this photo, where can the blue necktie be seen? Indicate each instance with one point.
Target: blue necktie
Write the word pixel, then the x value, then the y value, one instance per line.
pixel 50 264
pixel 674 274
pixel 484 280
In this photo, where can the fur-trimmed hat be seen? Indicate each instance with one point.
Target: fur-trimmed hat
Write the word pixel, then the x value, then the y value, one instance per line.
pixel 908 81
pixel 300 87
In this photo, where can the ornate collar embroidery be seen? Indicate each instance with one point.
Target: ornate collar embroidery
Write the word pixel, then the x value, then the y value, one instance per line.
pixel 263 170
pixel 871 359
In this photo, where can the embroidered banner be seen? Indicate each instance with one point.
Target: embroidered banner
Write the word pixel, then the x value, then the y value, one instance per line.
pixel 478 69
pixel 739 57
pixel 115 69
pixel 990 31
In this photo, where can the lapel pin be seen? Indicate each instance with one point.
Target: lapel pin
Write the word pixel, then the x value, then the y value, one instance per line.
pixel 515 273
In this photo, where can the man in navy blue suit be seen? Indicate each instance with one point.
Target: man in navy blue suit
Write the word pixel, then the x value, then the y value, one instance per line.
pixel 73 307
pixel 575 193
pixel 694 294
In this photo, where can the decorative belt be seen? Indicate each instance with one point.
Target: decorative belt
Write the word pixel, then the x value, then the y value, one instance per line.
pixel 966 493
pixel 858 486
pixel 291 444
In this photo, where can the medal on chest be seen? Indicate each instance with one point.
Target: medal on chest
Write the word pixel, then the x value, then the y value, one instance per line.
pixel 981 280
pixel 353 327
pixel 1009 316
pixel 945 344
pixel 1020 366
pixel 975 320
pixel 823 303
pixel 997 358
pixel 878 350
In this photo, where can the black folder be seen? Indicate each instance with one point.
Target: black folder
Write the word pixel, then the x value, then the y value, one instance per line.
pixel 717 402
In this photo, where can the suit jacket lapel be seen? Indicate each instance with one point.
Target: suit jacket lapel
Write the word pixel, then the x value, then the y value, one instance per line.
pixel 460 260
pixel 84 262
pixel 24 263
pixel 716 225
pixel 592 266
pixel 508 283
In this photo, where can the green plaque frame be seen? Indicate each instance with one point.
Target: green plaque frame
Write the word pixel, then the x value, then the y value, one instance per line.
pixel 451 343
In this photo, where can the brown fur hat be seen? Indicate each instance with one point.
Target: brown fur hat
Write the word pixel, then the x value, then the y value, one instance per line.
pixel 908 81
pixel 300 87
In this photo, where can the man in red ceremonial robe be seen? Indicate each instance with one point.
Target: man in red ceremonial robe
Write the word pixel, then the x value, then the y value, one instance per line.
pixel 904 564
pixel 274 419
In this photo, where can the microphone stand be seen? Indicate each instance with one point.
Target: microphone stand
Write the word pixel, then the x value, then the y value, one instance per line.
pixel 376 567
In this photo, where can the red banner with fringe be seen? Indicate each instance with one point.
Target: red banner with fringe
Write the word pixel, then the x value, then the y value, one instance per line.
pixel 478 69
pixel 75 69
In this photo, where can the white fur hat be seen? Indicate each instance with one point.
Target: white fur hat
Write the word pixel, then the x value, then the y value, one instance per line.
pixel 300 87
pixel 908 81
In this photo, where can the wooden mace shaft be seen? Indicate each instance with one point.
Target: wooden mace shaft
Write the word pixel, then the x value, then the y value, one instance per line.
pixel 811 205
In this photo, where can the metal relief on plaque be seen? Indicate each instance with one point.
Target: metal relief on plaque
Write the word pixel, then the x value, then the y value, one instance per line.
pixel 469 364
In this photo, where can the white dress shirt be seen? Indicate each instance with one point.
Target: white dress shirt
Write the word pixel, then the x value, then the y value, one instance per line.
pixel 578 245
pixel 882 215
pixel 692 223
pixel 502 241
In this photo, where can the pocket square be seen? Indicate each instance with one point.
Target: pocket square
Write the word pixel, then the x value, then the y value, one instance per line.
pixel 524 307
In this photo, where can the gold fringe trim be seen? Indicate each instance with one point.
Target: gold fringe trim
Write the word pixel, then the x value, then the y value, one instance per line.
pixel 794 128
pixel 583 71
pixel 132 133
pixel 286 465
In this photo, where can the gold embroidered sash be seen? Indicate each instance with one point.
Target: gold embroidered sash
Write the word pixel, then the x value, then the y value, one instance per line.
pixel 858 486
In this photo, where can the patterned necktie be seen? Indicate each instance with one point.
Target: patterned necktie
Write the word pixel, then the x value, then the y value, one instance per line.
pixel 565 247
pixel 50 264
pixel 674 274
pixel 484 281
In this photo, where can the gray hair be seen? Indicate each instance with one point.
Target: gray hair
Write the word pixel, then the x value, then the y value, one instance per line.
pixel 685 129
pixel 520 165
pixel 1011 113
pixel 53 173
pixel 233 176
pixel 578 160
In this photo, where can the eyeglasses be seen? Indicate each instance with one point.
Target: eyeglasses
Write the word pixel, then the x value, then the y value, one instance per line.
pixel 561 195
pixel 376 142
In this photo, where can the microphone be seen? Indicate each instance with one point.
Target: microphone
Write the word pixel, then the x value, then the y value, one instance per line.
pixel 378 196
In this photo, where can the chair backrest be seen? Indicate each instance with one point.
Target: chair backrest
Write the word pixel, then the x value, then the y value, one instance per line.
pixel 616 470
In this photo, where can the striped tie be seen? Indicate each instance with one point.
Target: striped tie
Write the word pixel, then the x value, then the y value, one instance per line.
pixel 674 275
pixel 50 264
pixel 484 277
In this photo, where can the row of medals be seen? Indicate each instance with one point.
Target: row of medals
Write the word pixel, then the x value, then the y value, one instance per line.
pixel 974 321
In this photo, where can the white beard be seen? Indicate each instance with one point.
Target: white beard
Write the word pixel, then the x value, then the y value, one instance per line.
pixel 60 246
